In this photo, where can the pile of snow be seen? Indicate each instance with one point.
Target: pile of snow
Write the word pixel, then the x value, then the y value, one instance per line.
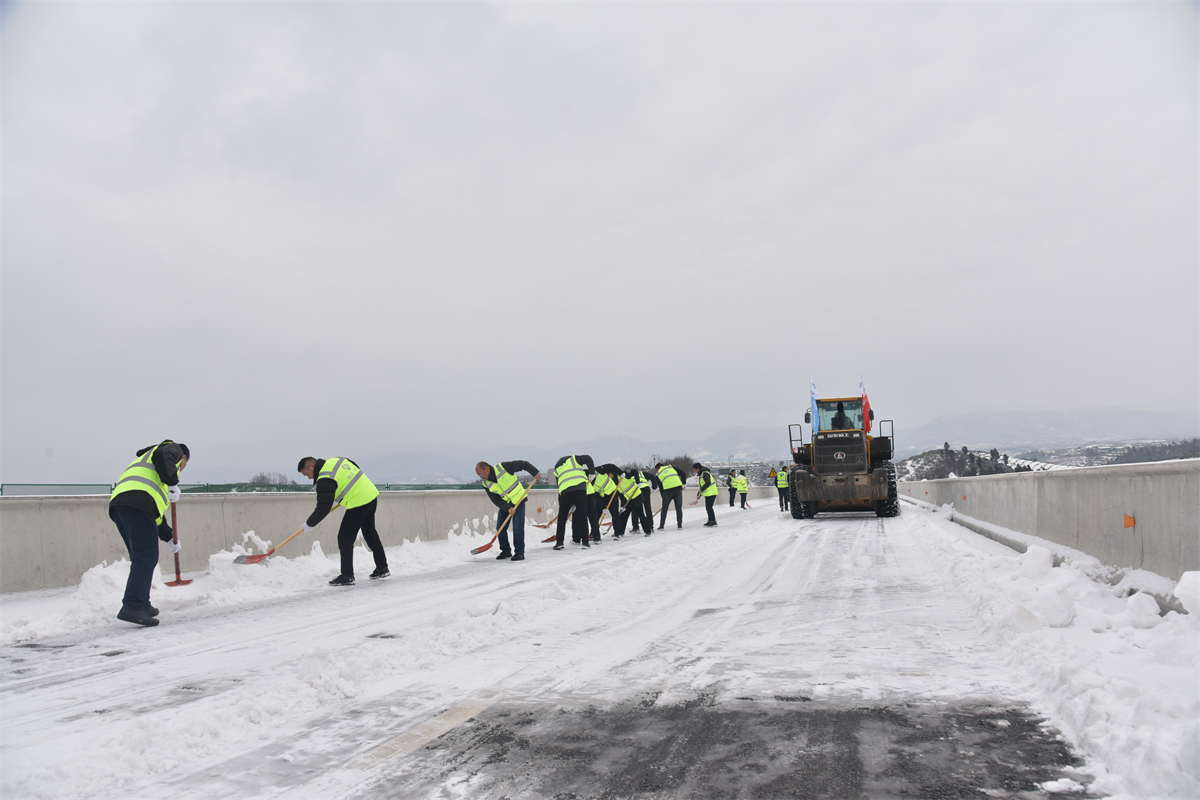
pixel 1118 679
pixel 30 616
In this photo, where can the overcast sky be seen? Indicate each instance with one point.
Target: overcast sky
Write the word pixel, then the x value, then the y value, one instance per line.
pixel 275 229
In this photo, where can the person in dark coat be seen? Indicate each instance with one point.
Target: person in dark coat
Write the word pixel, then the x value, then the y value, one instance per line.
pixel 503 496
pixel 708 490
pixel 343 481
pixel 670 489
pixel 570 472
pixel 138 508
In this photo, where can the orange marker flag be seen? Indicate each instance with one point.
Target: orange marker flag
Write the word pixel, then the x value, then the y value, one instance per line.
pixel 1129 521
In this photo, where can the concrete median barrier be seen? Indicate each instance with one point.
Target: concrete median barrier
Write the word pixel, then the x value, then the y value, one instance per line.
pixel 1140 516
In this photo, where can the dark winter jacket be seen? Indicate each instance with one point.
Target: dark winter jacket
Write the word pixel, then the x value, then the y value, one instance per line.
pixel 512 467
pixel 164 460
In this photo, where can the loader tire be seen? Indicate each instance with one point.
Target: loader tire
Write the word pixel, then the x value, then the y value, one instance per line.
pixel 795 506
pixel 891 506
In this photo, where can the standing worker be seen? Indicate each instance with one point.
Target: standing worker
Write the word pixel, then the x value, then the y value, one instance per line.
pixel 732 483
pixel 571 474
pixel 743 486
pixel 708 490
pixel 781 483
pixel 506 492
pixel 670 490
pixel 138 507
pixel 342 481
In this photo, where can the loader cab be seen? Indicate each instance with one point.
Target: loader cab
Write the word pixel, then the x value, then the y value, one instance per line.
pixel 838 414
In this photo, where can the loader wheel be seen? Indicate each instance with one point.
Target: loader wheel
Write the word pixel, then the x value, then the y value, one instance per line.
pixel 797 508
pixel 891 506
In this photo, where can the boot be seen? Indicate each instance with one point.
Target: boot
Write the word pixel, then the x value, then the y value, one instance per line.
pixel 342 580
pixel 137 617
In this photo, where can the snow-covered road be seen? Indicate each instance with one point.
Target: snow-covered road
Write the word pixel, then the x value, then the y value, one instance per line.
pixel 265 682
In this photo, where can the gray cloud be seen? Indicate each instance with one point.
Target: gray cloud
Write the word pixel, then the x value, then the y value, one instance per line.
pixel 272 229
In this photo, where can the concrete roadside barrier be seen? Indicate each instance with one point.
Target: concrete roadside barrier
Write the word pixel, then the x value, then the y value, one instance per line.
pixel 1137 516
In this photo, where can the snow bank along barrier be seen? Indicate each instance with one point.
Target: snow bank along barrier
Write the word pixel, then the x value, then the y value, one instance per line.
pixel 50 541
pixel 1140 516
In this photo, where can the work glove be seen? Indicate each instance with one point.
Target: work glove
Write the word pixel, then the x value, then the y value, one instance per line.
pixel 174 545
pixel 307 527
pixel 173 493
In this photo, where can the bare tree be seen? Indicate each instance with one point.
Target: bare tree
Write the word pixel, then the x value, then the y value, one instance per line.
pixel 271 479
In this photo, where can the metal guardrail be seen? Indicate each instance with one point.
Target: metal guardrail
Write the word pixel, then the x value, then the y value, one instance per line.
pixel 41 489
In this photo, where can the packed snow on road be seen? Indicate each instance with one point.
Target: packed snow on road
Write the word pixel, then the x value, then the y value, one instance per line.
pixel 262 681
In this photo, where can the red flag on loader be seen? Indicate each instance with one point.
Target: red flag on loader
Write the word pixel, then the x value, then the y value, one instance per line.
pixel 866 406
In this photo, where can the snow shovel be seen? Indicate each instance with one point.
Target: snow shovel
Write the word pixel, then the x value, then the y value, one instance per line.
pixel 547 525
pixel 258 559
pixel 504 525
pixel 179 581
pixel 555 536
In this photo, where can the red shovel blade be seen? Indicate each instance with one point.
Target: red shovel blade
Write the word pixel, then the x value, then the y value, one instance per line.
pixel 180 582
pixel 256 559
pixel 479 550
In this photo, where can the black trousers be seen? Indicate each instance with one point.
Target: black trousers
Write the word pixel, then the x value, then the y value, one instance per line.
pixel 639 510
pixel 671 496
pixel 743 496
pixel 356 519
pixel 732 493
pixel 572 500
pixel 708 506
pixel 593 505
pixel 647 514
pixel 783 497
pixel 140 535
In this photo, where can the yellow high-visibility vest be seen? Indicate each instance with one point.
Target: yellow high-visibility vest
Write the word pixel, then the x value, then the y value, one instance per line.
pixel 354 488
pixel 506 485
pixel 141 475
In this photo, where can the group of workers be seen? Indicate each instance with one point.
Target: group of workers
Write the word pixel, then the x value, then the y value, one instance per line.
pixel 146 489
pixel 585 492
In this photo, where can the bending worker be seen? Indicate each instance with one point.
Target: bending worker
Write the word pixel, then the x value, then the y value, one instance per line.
pixel 506 492
pixel 340 480
pixel 138 508
pixel 671 491
pixel 571 474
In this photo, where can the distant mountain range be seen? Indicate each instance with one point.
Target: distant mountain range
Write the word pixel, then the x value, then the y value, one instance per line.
pixel 1011 432
pixel 1019 431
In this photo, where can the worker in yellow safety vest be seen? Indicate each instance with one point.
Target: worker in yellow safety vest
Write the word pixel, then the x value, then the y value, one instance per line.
pixel 708 490
pixel 507 493
pixel 743 486
pixel 781 483
pixel 138 507
pixel 570 472
pixel 340 480
pixel 630 495
pixel 600 492
pixel 671 491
